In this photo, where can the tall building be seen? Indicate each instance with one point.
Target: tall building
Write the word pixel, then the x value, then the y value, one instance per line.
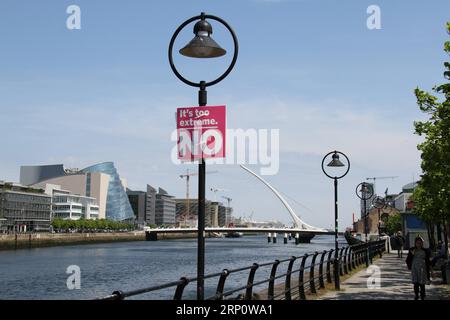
pixel 138 203
pixel 222 216
pixel 214 214
pixel 24 208
pixel 165 208
pixel 143 205
pixel 100 181
pixel 150 206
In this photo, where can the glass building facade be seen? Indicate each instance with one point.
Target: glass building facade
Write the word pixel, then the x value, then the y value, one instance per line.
pixel 117 204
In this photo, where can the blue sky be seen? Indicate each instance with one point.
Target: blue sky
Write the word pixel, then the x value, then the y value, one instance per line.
pixel 310 68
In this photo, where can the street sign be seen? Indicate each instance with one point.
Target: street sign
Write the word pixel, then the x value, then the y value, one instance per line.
pixel 201 132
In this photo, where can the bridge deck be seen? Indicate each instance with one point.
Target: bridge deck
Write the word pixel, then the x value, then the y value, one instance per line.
pixel 241 229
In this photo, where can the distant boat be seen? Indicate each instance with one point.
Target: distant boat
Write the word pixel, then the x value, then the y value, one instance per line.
pixel 217 235
pixel 233 234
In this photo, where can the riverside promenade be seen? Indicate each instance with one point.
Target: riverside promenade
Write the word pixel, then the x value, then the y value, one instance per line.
pixel 395 283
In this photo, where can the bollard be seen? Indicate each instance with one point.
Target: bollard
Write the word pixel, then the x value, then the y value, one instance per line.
pixel 274 237
pixel 269 236
pixel 285 238
pixel 388 244
pixel 297 238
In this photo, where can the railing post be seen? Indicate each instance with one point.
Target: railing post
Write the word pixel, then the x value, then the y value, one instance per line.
pixel 359 255
pixel 341 262
pixel 382 248
pixel 345 260
pixel 180 288
pixel 251 277
pixel 350 259
pixel 322 259
pixel 301 279
pixel 329 280
pixel 221 284
pixel 273 272
pixel 287 286
pixel 311 273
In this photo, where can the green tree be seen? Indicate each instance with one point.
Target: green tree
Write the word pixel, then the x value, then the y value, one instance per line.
pixel 431 198
pixel 393 223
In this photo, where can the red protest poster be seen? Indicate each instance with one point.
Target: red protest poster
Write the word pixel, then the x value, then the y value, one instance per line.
pixel 201 132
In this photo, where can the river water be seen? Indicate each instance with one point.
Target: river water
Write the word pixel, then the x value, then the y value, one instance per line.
pixel 40 273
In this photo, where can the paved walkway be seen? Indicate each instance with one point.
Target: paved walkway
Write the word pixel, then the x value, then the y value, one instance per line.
pixel 395 284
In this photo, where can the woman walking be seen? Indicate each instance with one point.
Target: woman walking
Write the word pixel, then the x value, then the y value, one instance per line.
pixel 418 262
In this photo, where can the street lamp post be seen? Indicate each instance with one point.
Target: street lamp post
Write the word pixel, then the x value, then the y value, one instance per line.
pixel 366 191
pixel 202 46
pixel 335 162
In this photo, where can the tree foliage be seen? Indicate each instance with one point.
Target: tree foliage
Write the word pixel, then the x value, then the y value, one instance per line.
pixel 393 223
pixel 89 225
pixel 432 196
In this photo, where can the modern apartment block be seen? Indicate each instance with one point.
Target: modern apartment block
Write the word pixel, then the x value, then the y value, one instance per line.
pixel 24 208
pixel 74 207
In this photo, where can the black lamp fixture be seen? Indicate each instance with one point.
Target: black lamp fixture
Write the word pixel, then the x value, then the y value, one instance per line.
pixel 335 162
pixel 202 45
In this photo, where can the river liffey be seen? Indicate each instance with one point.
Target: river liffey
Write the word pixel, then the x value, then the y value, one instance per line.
pixel 41 273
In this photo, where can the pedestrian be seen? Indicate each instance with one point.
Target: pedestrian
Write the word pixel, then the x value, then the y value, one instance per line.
pixel 418 261
pixel 400 242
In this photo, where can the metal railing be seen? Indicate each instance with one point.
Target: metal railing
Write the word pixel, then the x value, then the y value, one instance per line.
pixel 303 275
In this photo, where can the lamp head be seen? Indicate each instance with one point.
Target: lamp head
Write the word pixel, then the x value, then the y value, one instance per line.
pixel 335 162
pixel 202 45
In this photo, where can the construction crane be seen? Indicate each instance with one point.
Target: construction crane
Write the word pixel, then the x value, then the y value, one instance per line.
pixel 215 190
pixel 380 178
pixel 228 200
pixel 187 176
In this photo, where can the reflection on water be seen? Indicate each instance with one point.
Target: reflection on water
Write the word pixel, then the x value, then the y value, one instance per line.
pixel 41 273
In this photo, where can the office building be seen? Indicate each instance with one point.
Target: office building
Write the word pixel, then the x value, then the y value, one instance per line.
pixel 165 208
pixel 24 208
pixel 143 205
